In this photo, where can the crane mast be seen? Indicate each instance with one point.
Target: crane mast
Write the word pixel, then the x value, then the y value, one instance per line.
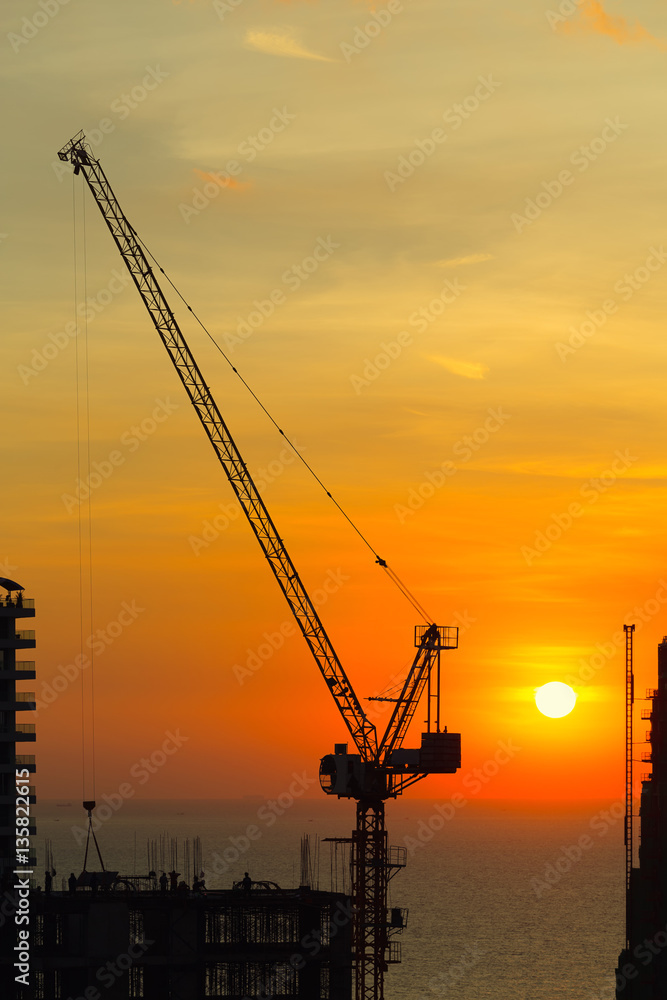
pixel 379 770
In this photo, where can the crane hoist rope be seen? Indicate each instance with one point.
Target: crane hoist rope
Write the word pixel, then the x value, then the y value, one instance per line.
pixel 85 537
pixel 392 575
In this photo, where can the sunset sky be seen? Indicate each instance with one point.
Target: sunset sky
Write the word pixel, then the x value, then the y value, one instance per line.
pixel 431 238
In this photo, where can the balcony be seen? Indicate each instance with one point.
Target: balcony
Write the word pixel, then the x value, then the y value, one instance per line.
pixel 8 795
pixel 23 701
pixel 9 831
pixel 22 639
pixel 21 760
pixel 647 713
pixel 13 610
pixel 23 670
pixel 25 732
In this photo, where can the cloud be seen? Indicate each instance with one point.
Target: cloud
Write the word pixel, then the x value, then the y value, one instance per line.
pixel 280 44
pixel 593 19
pixel 223 182
pixel 467 369
pixel 473 258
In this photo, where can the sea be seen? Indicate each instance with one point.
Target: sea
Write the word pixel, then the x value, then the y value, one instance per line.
pixel 505 900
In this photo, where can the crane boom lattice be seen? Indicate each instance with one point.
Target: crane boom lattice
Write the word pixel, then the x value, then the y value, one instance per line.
pixel 363 731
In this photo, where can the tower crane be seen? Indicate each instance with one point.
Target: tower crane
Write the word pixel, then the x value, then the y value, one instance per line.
pixel 381 768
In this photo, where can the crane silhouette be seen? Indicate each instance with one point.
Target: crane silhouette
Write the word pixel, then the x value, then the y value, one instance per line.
pixel 381 768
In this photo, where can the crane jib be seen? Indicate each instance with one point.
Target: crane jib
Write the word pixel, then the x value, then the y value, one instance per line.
pixel 360 727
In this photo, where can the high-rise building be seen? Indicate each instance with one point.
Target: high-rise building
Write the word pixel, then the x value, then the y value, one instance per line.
pixel 642 965
pixel 15 817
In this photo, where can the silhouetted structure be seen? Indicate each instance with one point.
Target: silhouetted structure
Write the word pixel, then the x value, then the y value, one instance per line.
pixel 136 942
pixel 15 768
pixel 642 965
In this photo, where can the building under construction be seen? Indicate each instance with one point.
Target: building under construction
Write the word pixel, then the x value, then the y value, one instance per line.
pixel 250 941
pixel 642 965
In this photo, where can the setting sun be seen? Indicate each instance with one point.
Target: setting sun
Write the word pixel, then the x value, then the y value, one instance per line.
pixel 555 699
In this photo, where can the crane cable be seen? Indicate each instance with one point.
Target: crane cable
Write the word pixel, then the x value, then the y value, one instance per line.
pixel 79 449
pixel 78 473
pixel 395 579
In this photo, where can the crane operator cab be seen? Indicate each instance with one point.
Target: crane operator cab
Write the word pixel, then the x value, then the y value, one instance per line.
pixel 347 775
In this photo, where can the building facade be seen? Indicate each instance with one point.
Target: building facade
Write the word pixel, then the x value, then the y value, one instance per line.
pixel 642 966
pixel 16 768
pixel 131 941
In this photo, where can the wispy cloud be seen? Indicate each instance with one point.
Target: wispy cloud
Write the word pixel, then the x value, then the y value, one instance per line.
pixel 473 258
pixel 280 43
pixel 466 369
pixel 593 19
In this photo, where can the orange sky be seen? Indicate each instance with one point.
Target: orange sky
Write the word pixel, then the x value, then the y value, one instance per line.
pixel 433 244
